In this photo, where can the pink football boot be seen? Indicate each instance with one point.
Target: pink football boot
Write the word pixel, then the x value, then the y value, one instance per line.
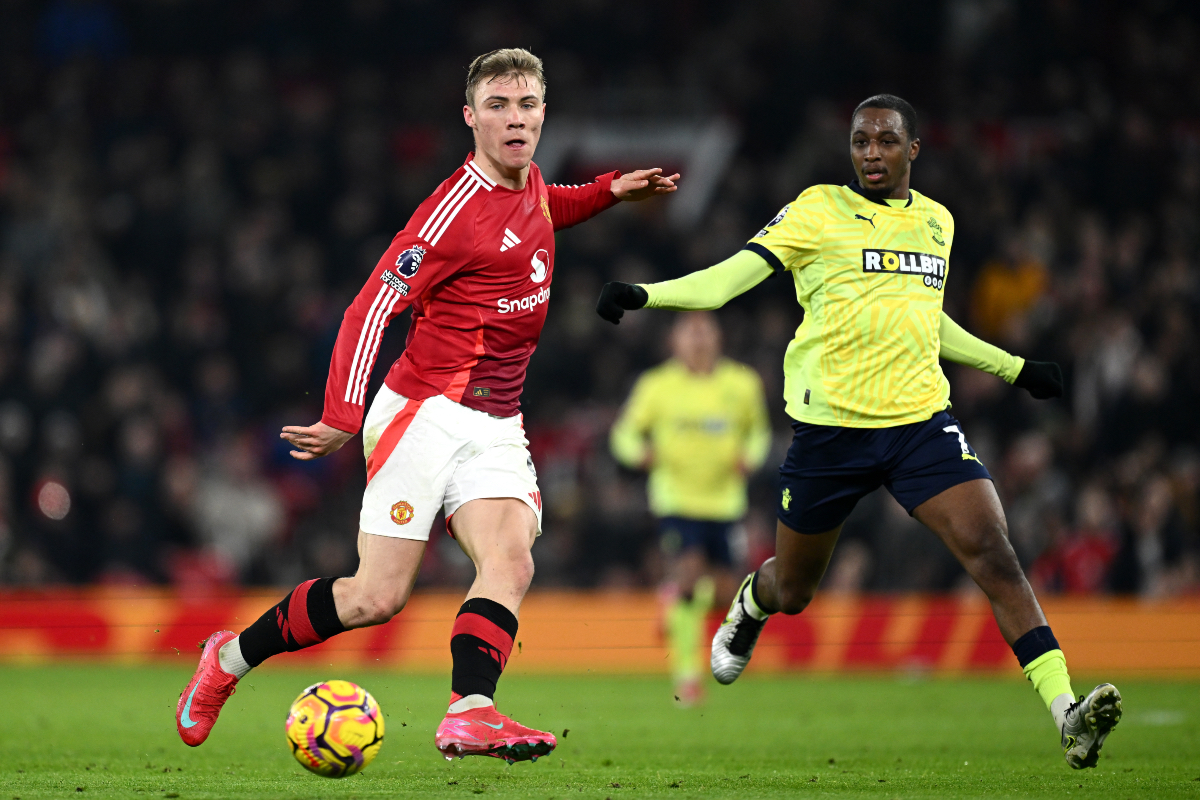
pixel 201 701
pixel 487 732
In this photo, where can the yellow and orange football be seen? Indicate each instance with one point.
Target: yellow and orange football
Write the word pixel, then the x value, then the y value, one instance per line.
pixel 335 728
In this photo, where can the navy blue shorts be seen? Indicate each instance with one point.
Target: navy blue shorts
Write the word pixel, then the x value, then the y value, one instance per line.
pixel 679 534
pixel 828 469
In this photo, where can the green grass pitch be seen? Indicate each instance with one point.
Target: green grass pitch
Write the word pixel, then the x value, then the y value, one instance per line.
pixel 101 731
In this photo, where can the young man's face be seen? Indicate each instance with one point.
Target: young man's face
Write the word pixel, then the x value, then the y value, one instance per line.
pixel 880 149
pixel 507 119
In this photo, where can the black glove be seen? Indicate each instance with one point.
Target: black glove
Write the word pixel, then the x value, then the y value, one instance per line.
pixel 616 298
pixel 1042 379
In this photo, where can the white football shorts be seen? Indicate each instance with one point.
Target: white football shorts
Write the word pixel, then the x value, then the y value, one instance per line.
pixel 426 455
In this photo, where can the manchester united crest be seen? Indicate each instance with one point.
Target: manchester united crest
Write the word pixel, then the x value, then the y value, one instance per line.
pixel 402 513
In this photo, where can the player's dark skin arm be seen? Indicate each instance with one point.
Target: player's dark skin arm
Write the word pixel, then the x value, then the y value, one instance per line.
pixel 967 517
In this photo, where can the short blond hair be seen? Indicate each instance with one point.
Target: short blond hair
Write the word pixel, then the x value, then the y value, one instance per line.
pixel 506 62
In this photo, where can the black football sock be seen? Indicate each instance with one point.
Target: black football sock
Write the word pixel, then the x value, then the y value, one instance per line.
pixel 480 642
pixel 307 616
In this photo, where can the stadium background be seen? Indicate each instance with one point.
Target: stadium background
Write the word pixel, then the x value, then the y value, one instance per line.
pixel 191 192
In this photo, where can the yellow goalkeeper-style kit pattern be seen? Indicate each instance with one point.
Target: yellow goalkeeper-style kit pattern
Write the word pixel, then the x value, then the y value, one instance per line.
pixel 869 277
pixel 702 434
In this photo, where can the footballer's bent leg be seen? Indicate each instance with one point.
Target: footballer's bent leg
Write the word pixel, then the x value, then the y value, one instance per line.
pixel 785 583
pixel 311 613
pixel 970 520
pixel 497 534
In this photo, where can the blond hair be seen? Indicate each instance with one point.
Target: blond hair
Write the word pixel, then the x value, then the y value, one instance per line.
pixel 508 62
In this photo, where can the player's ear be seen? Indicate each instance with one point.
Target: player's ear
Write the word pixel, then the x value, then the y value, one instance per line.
pixel 914 148
pixel 469 116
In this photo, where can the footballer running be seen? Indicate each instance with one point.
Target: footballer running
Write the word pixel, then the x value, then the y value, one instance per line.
pixel 869 403
pixel 475 263
pixel 698 424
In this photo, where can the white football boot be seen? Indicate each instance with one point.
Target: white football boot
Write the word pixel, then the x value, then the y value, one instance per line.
pixel 734 643
pixel 1088 723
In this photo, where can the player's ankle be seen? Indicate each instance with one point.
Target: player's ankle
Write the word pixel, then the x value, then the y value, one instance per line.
pixel 753 602
pixel 231 659
pixel 468 703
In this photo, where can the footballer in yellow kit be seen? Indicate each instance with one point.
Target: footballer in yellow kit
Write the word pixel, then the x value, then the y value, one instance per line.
pixel 869 403
pixel 869 277
pixel 698 424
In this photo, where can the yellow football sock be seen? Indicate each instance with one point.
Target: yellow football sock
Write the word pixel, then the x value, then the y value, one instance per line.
pixel 1048 673
pixel 685 629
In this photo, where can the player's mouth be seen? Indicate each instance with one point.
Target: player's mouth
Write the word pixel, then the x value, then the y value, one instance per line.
pixel 875 174
pixel 515 144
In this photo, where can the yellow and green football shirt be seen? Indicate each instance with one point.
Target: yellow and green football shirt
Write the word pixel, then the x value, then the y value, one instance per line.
pixel 702 433
pixel 869 277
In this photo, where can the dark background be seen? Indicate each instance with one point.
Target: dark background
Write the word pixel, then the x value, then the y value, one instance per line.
pixel 191 191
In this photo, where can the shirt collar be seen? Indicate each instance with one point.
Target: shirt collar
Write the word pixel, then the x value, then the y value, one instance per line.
pixel 858 189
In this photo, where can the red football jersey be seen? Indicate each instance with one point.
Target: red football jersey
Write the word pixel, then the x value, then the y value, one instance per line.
pixel 475 262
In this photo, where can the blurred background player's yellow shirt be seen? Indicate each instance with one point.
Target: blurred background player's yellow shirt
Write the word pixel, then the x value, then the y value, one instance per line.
pixel 870 279
pixel 703 433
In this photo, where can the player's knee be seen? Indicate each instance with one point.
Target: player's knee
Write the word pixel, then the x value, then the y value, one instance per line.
pixel 793 598
pixel 520 569
pixel 376 608
pixel 991 555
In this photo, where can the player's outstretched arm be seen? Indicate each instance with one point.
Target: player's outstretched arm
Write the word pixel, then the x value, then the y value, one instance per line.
pixel 701 291
pixel 1042 379
pixel 314 441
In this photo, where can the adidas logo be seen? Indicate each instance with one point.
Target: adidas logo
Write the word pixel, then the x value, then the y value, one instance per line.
pixel 510 240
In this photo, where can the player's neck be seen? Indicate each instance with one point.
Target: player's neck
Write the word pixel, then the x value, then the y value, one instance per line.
pixel 507 177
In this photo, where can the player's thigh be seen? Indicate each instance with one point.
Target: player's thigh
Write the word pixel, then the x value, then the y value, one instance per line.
pixel 492 500
pixel 495 530
pixel 800 562
pixel 383 582
pixel 411 451
pixel 927 459
pixel 968 517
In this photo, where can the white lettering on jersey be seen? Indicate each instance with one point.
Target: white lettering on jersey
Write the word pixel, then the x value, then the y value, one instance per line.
pixel 507 306
pixel 510 240
pixel 538 262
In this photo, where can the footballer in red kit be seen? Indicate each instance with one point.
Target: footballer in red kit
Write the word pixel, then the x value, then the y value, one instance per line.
pixel 444 433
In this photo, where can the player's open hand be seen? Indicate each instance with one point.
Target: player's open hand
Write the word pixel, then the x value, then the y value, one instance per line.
pixel 315 441
pixel 643 183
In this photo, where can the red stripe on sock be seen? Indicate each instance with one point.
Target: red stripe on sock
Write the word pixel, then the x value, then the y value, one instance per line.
pixel 391 437
pixel 298 621
pixel 483 628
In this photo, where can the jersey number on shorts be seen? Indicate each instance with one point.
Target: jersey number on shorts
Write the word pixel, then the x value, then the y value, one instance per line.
pixel 967 455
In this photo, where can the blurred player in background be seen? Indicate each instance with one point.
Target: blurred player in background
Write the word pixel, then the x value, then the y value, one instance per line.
pixel 698 424
pixel 444 432
pixel 869 403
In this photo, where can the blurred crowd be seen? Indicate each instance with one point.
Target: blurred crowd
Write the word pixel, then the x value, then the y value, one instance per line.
pixel 191 193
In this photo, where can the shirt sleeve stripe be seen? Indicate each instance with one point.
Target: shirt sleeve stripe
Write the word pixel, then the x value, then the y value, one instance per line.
pixel 442 206
pixel 767 255
pixel 364 375
pixel 437 232
pixel 363 336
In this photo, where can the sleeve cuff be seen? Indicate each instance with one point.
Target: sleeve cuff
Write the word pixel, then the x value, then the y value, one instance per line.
pixel 605 182
pixel 343 425
pixel 766 255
